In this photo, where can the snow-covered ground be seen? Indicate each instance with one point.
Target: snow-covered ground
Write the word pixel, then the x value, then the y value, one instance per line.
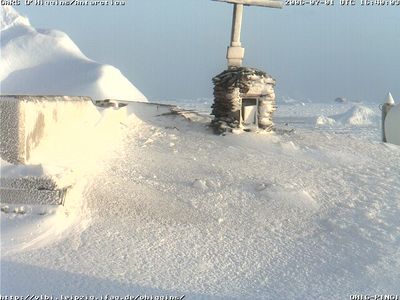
pixel 166 207
pixel 175 209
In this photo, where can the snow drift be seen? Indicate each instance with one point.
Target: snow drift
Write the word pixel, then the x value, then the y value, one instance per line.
pixel 179 210
pixel 322 120
pixel 67 139
pixel 358 115
pixel 48 62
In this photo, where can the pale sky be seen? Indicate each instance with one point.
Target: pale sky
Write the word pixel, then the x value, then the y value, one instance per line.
pixel 172 49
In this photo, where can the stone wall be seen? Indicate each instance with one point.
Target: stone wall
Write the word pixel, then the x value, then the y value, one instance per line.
pixel 235 84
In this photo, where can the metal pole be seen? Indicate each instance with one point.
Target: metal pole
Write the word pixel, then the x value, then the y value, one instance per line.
pixel 236 25
pixel 235 53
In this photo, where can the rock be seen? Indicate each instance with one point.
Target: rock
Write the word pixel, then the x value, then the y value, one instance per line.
pixel 340 100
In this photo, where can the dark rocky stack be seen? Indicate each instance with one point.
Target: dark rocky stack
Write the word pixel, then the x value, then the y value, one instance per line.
pixel 230 87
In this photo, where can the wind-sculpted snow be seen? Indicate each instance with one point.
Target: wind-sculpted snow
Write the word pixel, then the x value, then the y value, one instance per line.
pixel 177 210
pixel 47 62
pixel 358 115
pixel 9 18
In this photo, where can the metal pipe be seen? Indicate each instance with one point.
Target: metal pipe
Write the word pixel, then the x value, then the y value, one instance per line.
pixel 236 25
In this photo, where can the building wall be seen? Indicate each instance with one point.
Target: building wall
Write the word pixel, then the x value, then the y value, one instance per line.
pixel 12 130
pixel 26 122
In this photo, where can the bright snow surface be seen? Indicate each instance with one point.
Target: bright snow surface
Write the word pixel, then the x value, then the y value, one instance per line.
pixel 47 62
pixel 174 209
pixel 169 208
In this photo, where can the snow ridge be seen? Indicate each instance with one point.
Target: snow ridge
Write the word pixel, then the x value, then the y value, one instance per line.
pixel 10 17
pixel 48 62
pixel 358 115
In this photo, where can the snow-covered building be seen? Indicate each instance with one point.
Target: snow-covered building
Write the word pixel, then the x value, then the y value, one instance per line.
pixel 40 128
pixel 243 98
